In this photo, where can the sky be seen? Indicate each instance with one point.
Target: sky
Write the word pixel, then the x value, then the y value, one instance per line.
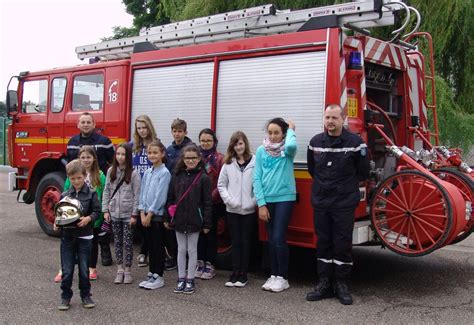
pixel 42 34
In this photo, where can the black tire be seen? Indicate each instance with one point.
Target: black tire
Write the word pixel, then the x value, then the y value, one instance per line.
pixel 470 183
pixel 51 181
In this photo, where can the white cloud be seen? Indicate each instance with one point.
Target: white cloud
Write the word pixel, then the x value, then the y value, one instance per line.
pixel 42 34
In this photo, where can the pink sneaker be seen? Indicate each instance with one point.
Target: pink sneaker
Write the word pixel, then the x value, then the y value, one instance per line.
pixel 59 277
pixel 93 275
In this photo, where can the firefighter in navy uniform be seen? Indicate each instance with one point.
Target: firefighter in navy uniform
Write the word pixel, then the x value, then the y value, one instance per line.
pixel 88 136
pixel 337 161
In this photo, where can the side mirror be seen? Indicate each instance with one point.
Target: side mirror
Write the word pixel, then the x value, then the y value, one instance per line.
pixel 12 102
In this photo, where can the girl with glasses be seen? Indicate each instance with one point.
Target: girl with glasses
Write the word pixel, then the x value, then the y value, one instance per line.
pixel 190 196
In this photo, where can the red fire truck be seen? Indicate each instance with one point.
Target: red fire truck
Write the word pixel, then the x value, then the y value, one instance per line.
pixel 236 70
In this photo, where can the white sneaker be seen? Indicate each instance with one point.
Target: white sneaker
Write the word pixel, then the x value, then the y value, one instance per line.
pixel 279 284
pixel 149 277
pixel 267 285
pixel 155 282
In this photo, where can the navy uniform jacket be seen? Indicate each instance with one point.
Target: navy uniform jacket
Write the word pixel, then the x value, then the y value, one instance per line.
pixel 102 145
pixel 337 164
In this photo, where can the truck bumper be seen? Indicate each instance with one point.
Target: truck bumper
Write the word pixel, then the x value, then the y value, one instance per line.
pixel 362 233
pixel 11 181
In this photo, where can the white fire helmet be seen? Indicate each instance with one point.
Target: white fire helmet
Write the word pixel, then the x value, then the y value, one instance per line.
pixel 67 211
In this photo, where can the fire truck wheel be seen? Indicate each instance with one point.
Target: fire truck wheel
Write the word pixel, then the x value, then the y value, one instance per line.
pixel 411 213
pixel 466 185
pixel 47 195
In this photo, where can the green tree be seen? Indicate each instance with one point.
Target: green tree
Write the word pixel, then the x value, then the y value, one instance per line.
pixel 152 13
pixel 188 9
pixel 451 24
pixel 121 32
pixel 146 13
pixel 456 127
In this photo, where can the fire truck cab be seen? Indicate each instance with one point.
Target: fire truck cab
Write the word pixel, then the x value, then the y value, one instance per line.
pixel 45 117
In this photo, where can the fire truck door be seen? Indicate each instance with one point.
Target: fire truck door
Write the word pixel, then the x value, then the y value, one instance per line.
pixel 30 126
pixel 115 116
pixel 86 95
pixel 58 86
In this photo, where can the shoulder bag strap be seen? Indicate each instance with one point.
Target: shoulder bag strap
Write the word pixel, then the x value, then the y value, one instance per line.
pixel 118 186
pixel 189 188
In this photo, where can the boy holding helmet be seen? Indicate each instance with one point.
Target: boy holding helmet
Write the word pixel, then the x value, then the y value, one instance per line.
pixel 75 216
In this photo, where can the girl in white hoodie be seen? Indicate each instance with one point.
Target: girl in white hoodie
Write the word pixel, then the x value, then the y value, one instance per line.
pixel 236 190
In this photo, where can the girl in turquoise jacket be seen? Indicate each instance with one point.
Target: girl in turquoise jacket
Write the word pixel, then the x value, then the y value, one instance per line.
pixel 275 191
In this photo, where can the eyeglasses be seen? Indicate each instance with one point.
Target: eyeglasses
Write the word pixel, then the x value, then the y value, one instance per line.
pixel 206 141
pixel 191 158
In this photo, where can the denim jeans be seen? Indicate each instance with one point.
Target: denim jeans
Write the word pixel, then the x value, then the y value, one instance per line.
pixel 280 214
pixel 70 248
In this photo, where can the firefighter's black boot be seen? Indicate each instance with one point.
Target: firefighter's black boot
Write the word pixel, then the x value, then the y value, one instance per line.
pixel 323 290
pixel 343 293
pixel 105 253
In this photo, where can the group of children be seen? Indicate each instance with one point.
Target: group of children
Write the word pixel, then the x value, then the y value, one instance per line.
pixel 184 188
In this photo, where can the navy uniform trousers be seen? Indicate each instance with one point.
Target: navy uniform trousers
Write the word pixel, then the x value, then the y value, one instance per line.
pixel 334 246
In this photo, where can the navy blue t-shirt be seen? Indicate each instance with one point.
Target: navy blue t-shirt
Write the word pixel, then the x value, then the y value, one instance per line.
pixel 140 160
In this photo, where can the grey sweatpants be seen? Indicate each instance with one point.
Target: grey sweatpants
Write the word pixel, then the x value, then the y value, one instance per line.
pixel 187 244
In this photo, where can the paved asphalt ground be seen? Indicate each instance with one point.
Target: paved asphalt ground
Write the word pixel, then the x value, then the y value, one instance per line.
pixel 388 289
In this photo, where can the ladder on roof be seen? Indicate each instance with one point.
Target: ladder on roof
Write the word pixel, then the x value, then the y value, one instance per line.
pixel 256 21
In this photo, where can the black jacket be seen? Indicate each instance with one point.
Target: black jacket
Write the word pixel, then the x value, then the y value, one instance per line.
pixel 90 207
pixel 194 211
pixel 102 145
pixel 336 169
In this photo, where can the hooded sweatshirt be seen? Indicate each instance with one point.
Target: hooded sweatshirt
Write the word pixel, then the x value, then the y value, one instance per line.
pixel 236 187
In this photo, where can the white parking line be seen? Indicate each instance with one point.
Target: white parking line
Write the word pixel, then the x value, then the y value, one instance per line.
pixel 459 248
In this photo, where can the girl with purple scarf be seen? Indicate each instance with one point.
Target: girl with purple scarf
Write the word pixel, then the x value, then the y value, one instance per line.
pixel 207 245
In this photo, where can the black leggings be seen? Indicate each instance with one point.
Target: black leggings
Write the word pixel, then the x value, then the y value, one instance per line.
pixel 141 234
pixel 207 244
pixel 155 236
pixel 241 228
